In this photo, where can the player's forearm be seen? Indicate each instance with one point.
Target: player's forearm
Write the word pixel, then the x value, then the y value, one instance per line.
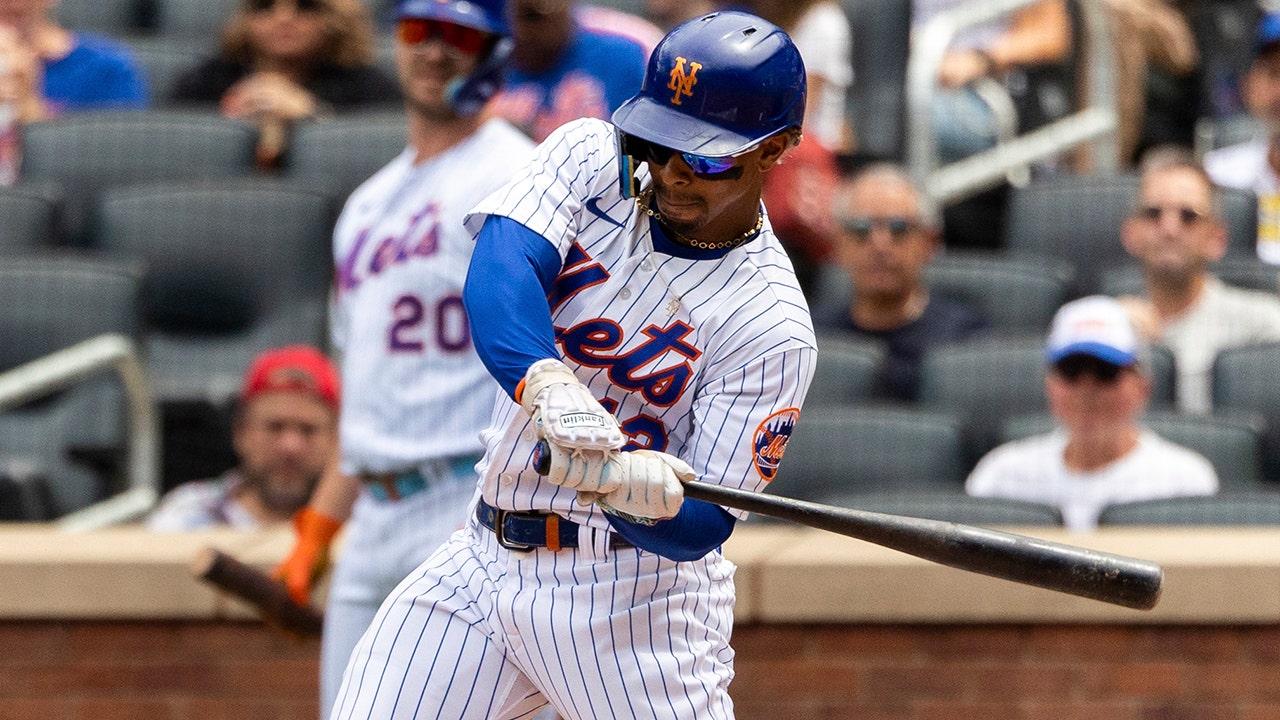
pixel 696 530
pixel 335 494
pixel 512 270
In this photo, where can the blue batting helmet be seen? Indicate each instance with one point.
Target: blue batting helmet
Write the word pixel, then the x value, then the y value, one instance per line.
pixel 717 85
pixel 468 95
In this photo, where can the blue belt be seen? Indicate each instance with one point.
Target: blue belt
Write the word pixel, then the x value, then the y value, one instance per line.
pixel 529 530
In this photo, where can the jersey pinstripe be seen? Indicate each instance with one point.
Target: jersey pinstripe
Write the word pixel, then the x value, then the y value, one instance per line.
pixel 692 356
pixel 401 255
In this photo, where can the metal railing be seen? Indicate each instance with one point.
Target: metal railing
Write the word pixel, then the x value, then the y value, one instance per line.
pixel 70 365
pixel 1093 124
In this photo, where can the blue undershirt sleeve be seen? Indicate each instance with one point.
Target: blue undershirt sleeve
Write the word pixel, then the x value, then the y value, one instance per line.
pixel 696 530
pixel 512 271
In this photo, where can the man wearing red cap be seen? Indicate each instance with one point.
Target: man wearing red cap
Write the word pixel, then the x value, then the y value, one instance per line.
pixel 284 435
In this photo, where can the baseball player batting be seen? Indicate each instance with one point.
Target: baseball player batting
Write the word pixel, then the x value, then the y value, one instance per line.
pixel 417 394
pixel 668 325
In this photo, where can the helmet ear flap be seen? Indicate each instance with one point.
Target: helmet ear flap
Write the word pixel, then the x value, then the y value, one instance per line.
pixel 468 95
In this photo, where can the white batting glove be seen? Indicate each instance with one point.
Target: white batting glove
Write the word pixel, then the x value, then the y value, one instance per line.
pixel 650 486
pixel 564 411
pixel 587 471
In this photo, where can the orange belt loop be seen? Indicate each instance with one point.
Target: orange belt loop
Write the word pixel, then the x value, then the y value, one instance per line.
pixel 553 532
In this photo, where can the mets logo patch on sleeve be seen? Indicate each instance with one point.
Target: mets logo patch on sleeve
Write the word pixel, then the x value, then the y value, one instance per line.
pixel 771 439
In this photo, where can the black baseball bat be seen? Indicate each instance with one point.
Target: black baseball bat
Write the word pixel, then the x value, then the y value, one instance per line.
pixel 1115 579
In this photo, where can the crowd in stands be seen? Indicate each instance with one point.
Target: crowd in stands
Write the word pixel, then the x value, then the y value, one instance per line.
pixel 886 270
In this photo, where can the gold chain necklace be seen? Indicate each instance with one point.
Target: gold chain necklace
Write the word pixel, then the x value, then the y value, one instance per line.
pixel 644 200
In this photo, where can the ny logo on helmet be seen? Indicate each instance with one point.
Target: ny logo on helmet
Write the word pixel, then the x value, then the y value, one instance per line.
pixel 682 83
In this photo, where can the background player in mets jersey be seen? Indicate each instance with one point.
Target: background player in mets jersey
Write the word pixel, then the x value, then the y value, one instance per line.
pixel 649 340
pixel 418 394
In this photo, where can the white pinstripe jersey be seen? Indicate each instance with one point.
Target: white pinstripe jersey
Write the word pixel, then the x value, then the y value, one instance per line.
pixel 707 359
pixel 414 388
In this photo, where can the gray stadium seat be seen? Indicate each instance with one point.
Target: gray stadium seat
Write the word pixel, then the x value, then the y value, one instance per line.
pixel 1232 509
pixel 195 19
pixel 1245 381
pixel 1233 443
pixel 30 215
pixel 46 304
pixel 335 155
pixel 163 59
pixel 1015 294
pixel 88 152
pixel 953 507
pixel 850 371
pixel 1078 219
pixel 108 17
pixel 234 268
pixel 855 450
pixel 1214 133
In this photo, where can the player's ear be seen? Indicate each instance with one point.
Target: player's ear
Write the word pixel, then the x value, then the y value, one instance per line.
pixel 775 146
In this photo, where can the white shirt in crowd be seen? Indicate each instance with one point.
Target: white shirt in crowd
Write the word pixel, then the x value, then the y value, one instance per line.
pixel 1033 470
pixel 1245 166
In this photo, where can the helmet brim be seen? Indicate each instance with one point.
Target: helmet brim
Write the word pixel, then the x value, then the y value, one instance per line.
pixel 459 12
pixel 653 121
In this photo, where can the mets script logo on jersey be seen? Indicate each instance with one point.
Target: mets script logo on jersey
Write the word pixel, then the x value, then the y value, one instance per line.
pixel 421 238
pixel 681 81
pixel 770 441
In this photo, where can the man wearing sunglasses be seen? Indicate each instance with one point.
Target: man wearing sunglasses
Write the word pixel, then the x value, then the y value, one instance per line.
pixel 888 235
pixel 631 299
pixel 1097 385
pixel 1176 232
pixel 417 396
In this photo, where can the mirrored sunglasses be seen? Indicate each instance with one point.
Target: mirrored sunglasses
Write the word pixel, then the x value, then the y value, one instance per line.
pixel 703 166
pixel 416 31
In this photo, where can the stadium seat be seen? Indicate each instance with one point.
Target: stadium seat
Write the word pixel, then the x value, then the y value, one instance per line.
pixel 881 31
pixel 1015 294
pixel 335 155
pixel 1215 133
pixel 1242 272
pixel 30 215
pixel 196 19
pixel 856 450
pixel 164 60
pixel 234 268
pixel 1230 509
pixel 88 152
pixel 1078 219
pixel 49 303
pixel 117 18
pixel 1245 381
pixel 952 507
pixel 1232 443
pixel 850 371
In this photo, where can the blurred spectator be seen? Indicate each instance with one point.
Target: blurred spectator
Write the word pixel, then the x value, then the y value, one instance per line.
pixel 1154 41
pixel 667 14
pixel 571 62
pixel 1097 386
pixel 1001 67
pixel 1255 165
pixel 285 434
pixel 285 60
pixel 821 32
pixel 889 234
pixel 1175 232
pixel 47 70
